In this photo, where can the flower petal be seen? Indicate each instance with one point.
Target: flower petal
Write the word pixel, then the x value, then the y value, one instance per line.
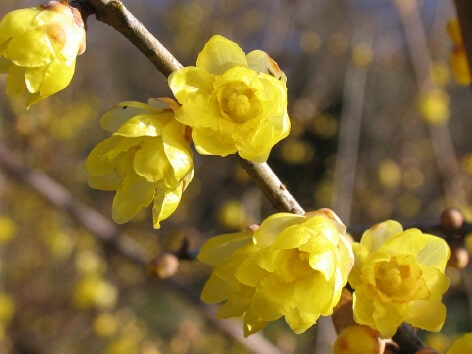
pixel 165 203
pixel 216 249
pixel 177 150
pixel 210 142
pixel 134 194
pixel 150 161
pixel 219 55
pixel 120 113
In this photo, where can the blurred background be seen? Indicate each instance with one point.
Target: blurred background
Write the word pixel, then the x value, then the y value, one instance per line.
pixel 380 130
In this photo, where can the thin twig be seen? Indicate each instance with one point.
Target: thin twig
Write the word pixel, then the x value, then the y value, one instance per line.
pixel 272 187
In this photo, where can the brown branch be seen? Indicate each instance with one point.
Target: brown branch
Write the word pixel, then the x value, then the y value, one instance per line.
pixel 272 187
pixel 408 340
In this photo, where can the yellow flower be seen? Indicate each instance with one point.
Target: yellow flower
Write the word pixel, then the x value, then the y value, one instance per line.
pixel 147 159
pixel 462 345
pixel 292 265
pixel 38 49
pixel 234 102
pixel 458 57
pixel 398 276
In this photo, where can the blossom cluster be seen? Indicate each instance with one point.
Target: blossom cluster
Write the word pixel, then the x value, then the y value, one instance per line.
pixel 291 266
pixel 295 266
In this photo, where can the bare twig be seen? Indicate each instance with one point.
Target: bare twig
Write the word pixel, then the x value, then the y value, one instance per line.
pixel 272 187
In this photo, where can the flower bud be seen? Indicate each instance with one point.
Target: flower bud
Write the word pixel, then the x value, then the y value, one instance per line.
pixel 452 218
pixel 459 257
pixel 38 49
pixel 164 266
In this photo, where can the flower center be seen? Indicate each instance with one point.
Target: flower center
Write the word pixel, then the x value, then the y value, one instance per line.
pixel 400 279
pixel 238 102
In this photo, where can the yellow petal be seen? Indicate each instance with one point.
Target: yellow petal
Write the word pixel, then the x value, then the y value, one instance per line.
pixel 325 263
pixel 270 299
pixel 17 22
pixel 134 194
pixel 429 315
pixel 102 158
pixel 216 249
pixel 210 142
pixel 266 234
pixel 220 54
pixel 436 252
pixel 193 89
pixel 250 273
pixel 108 182
pixel 261 62
pixel 215 290
pixel 293 237
pixel 120 113
pixel 375 237
pixel 16 81
pixel 363 308
pixel 150 161
pixel 177 150
pixel 57 76
pixel 252 324
pixel 461 345
pixel 238 301
pixel 165 203
pixel 30 49
pixel 144 124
